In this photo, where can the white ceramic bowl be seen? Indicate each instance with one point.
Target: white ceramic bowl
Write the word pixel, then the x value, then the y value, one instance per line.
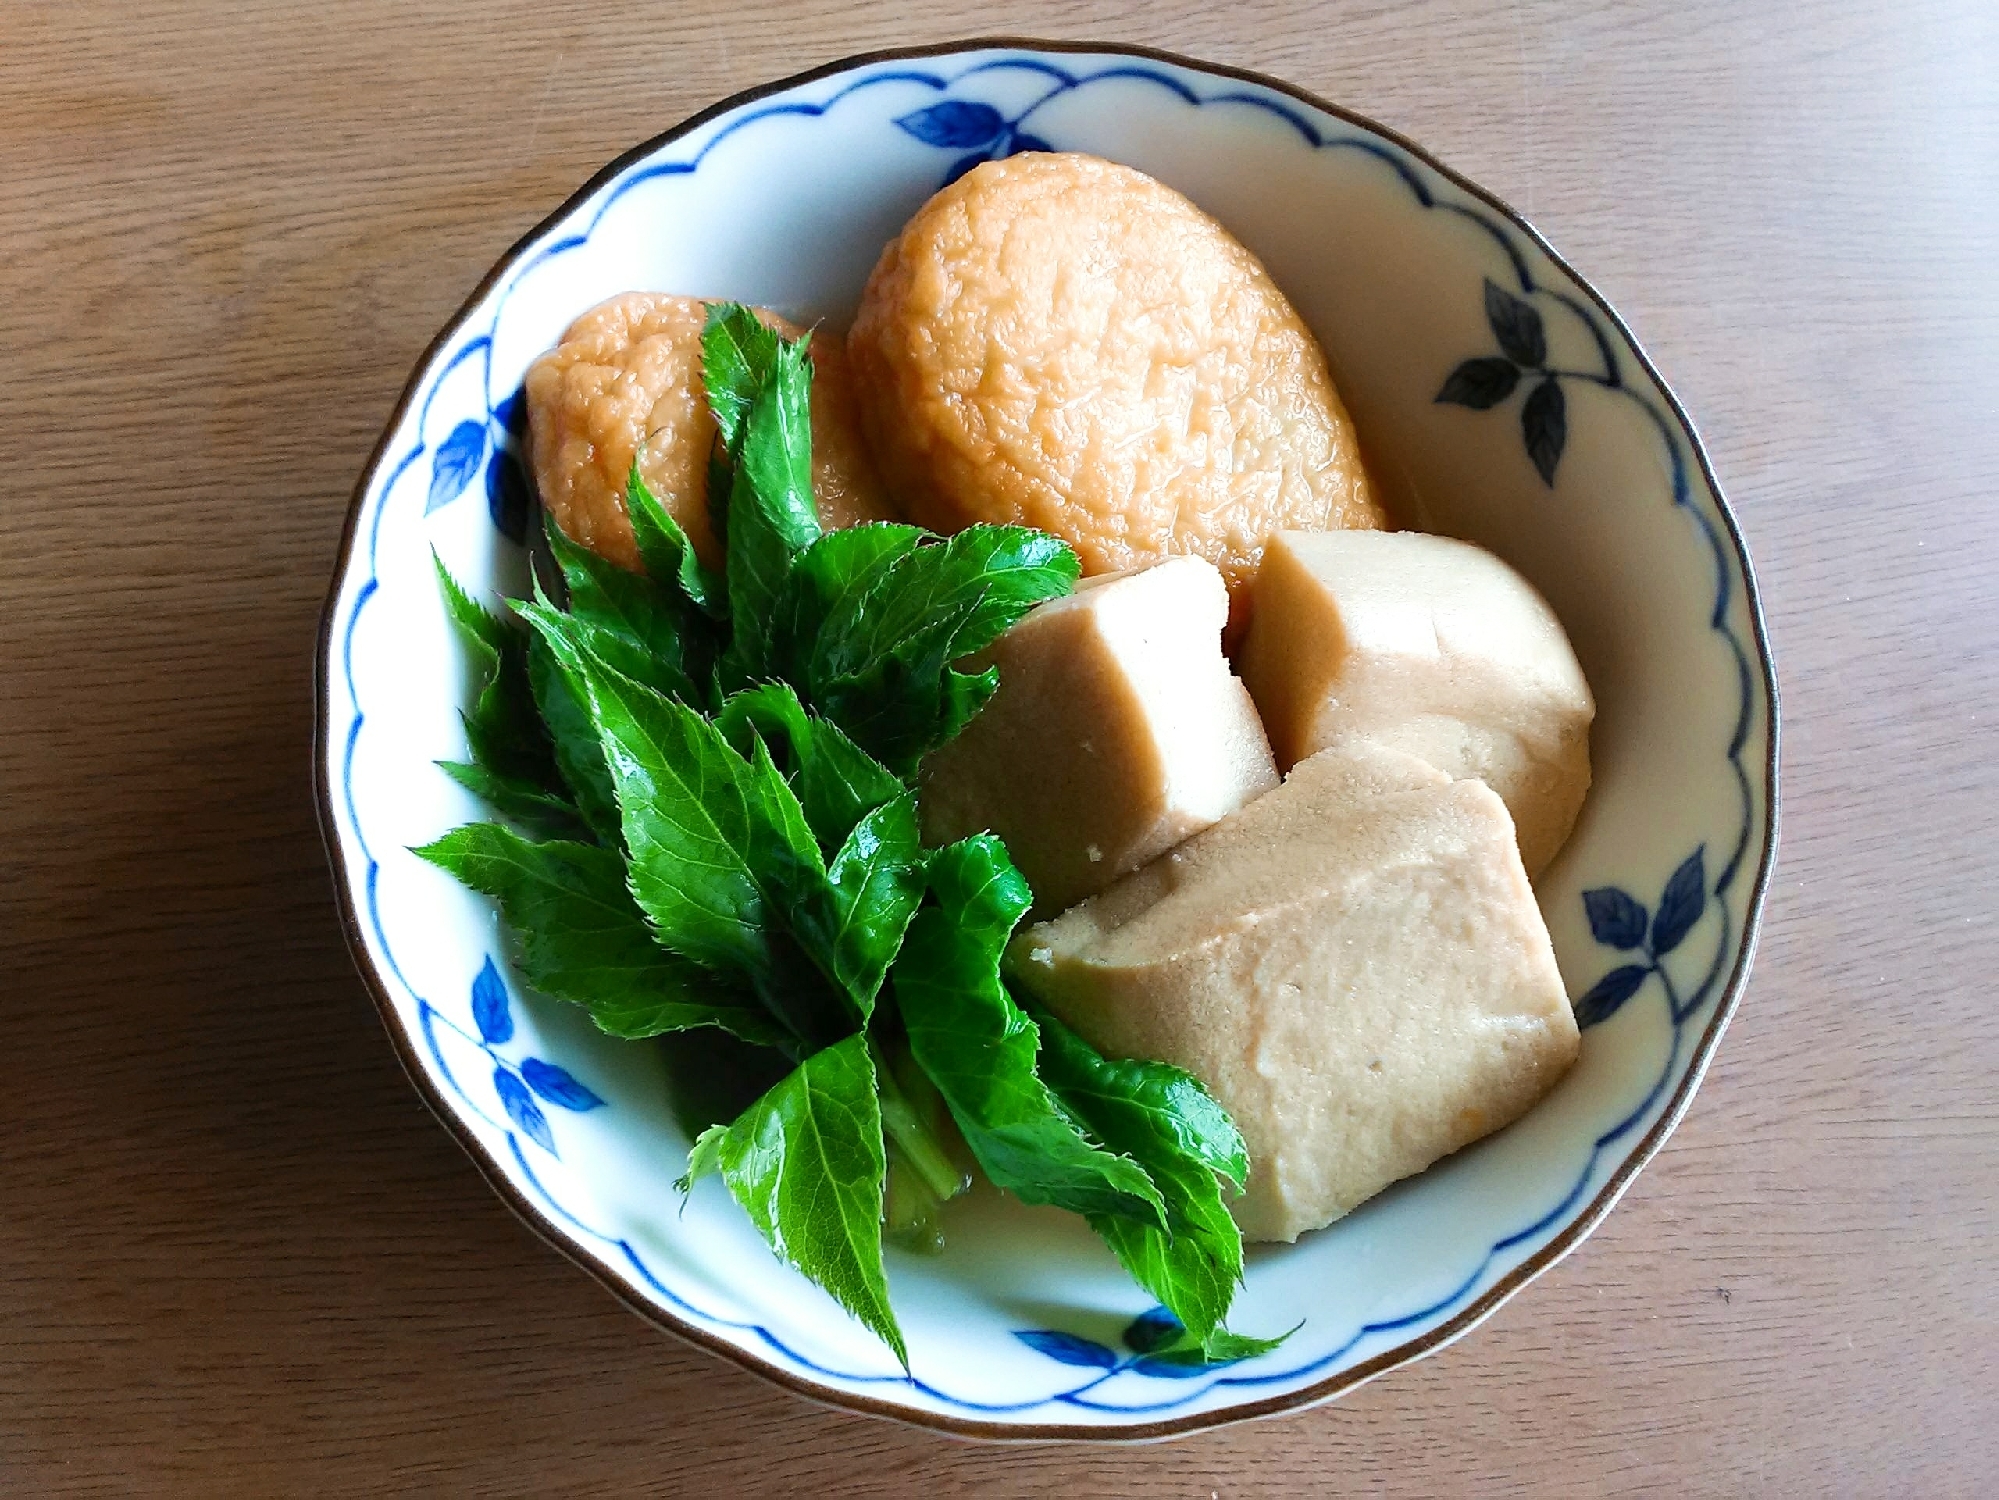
pixel 1553 443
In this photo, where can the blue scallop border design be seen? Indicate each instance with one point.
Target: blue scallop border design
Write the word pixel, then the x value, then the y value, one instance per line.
pixel 1415 177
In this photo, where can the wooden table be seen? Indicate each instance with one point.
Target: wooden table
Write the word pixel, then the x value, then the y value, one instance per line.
pixel 235 1252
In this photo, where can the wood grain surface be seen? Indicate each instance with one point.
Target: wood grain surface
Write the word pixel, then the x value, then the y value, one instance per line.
pixel 237 1256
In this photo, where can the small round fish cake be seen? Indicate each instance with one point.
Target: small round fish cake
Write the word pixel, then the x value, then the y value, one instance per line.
pixel 629 371
pixel 1063 342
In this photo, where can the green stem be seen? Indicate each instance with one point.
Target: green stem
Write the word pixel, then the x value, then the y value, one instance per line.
pixel 911 1215
pixel 919 1147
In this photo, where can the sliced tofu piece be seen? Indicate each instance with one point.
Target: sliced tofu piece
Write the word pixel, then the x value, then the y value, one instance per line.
pixel 1117 731
pixel 1428 645
pixel 1354 965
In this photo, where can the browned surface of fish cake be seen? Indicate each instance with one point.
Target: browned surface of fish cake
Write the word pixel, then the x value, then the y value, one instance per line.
pixel 629 372
pixel 1063 342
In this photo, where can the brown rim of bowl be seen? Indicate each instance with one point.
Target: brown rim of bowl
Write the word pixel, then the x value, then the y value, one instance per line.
pixel 1334 1385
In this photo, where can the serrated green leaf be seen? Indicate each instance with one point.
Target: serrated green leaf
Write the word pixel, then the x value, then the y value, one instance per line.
pixel 684 800
pixel 580 937
pixel 960 593
pixel 806 1162
pixel 719 850
pixel 771 511
pixel 1160 1109
pixel 775 454
pixel 1166 1121
pixel 1220 1347
pixel 979 1047
pixel 847 917
pixel 829 579
pixel 896 616
pixel 664 548
pixel 738 352
pixel 850 922
pixel 837 782
pixel 650 634
pixel 837 572
pixel 520 802
pixel 578 756
pixel 721 479
pixel 759 388
pixel 502 727
pixel 854 924
pixel 482 632
pixel 704 1157
pixel 785 857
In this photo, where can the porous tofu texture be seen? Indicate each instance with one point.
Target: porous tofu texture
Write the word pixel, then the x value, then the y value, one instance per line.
pixel 1064 342
pixel 1429 645
pixel 1354 966
pixel 1117 731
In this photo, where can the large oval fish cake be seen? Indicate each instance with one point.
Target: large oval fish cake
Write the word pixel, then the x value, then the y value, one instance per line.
pixel 1063 342
pixel 629 371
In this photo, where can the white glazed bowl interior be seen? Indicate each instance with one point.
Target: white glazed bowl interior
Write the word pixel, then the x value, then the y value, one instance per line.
pixel 785 198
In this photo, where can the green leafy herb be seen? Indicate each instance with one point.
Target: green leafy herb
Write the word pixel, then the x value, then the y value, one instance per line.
pixel 854 925
pixel 878 661
pixel 664 548
pixel 505 733
pixel 522 801
pixel 631 622
pixel 806 1163
pixel 738 352
pixel 773 451
pixel 830 580
pixel 742 748
pixel 837 782
pixel 718 844
pixel 979 1047
pixel 578 755
pixel 764 419
pixel 583 939
pixel 1166 1121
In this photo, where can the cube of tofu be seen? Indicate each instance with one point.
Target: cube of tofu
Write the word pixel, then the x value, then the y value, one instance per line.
pixel 1354 966
pixel 1117 731
pixel 1427 645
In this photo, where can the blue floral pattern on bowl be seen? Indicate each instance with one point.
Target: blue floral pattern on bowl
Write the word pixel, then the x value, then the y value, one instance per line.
pixel 460 432
pixel 517 1084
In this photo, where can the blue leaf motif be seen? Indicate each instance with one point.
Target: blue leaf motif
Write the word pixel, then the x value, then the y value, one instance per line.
pixel 508 499
pixel 1480 384
pixel 1517 326
pixel 1161 1367
pixel 1610 992
pixel 490 1010
pixel 1022 141
pixel 1616 919
pixel 1068 1348
pixel 1681 905
pixel 955 122
pixel 558 1087
pixel 457 461
pixel 1544 424
pixel 1152 1329
pixel 512 413
pixel 522 1109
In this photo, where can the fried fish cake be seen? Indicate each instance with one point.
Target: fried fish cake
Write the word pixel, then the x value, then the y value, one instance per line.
pixel 629 372
pixel 1063 342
